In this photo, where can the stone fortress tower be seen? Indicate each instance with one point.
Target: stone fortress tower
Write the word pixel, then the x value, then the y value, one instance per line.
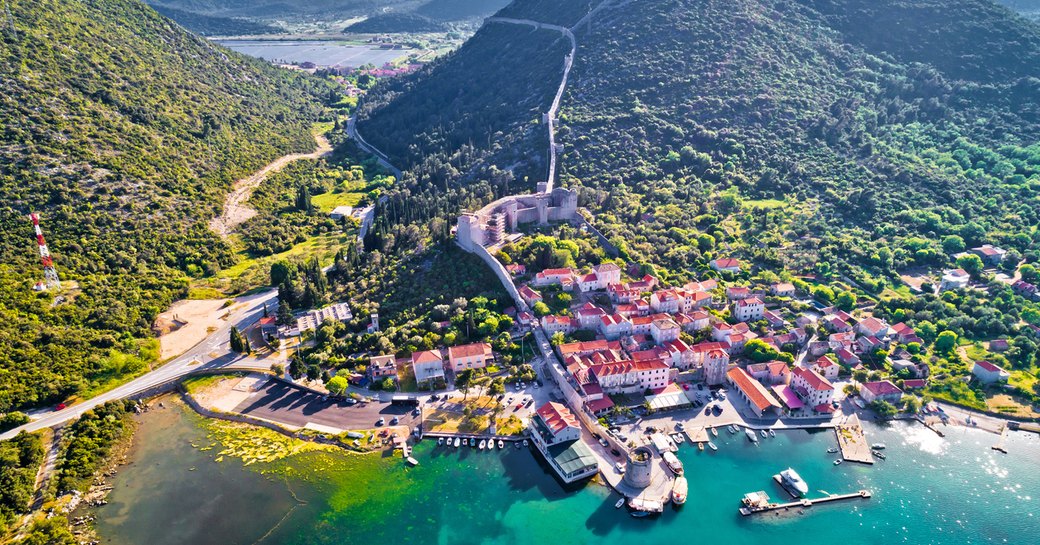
pixel 639 468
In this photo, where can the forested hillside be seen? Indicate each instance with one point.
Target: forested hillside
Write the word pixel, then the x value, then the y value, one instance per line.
pixel 209 25
pixel 784 129
pixel 480 106
pixel 124 132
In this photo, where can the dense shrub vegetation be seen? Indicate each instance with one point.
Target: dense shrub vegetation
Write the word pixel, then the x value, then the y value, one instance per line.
pixel 124 132
pixel 20 459
pixel 208 25
pixel 88 441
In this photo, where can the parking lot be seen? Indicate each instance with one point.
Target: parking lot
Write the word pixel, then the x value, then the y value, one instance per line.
pixel 280 402
pixel 721 411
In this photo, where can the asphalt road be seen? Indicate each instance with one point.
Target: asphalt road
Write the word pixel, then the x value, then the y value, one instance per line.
pixel 285 404
pixel 246 311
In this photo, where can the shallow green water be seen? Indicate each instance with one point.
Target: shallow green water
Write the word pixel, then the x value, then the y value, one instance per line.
pixel 929 491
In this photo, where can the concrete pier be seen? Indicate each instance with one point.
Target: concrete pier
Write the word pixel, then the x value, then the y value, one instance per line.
pixel 852 441
pixel 862 494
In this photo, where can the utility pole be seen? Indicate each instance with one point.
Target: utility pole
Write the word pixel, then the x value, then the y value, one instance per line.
pixel 50 275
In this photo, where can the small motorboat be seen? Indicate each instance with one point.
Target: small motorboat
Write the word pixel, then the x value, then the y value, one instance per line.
pixel 456 443
pixel 482 445
pixel 751 435
pixel 832 450
pixel 772 433
pixel 501 444
pixel 878 453
pixel 679 490
pixel 764 434
pixel 412 461
pixel 472 442
pixel 878 446
pixel 837 462
pixel 440 441
pixel 712 446
pixel 619 503
pixel 700 445
pixel 526 443
pixel 732 428
pixel 715 432
pixel 517 444
pixel 678 438
pixel 641 514
pixel 673 463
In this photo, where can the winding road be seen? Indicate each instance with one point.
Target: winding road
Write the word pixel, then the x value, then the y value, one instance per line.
pixel 245 312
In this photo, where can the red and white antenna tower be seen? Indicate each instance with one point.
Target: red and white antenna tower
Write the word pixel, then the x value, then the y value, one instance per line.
pixel 50 275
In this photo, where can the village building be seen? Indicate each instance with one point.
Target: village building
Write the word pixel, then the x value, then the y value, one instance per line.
pixel 516 269
pixel 883 390
pixel 557 435
pixel 773 319
pixel 954 279
pixel 589 316
pixel 553 324
pixel 715 362
pixel 664 330
pixel 697 320
pixel 341 212
pixel 339 312
pixel 905 334
pixel 826 367
pixel 989 373
pixel 380 367
pixel 470 356
pixel 847 357
pixel 872 327
pixel 758 398
pixel 991 255
pixel 609 274
pixel 726 264
pixel 614 326
pixel 783 289
pixel 815 390
pixel 428 366
pixel 632 376
pixel 749 310
pixel 737 293
pixel 666 301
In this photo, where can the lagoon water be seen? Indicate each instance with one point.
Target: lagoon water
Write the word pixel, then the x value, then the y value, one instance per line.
pixel 930 490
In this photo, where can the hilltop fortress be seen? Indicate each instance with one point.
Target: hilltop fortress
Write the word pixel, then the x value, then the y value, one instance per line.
pixel 489 225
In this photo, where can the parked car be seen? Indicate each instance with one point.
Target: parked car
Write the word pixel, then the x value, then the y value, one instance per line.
pixel 604 442
pixel 707 411
pixel 394 421
pixel 619 467
pixel 615 452
pixel 381 421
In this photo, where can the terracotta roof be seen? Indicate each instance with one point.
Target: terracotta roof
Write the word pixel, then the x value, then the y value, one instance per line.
pixel 469 350
pixel 585 346
pixel 624 367
pixel 813 379
pixel 726 263
pixel 557 416
pixel 556 272
pixel 427 356
pixel 824 362
pixel 881 387
pixel 606 267
pixel 749 302
pixel 988 366
pixel 752 389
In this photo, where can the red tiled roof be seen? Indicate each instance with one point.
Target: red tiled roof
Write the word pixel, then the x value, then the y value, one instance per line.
pixel 427 356
pixel 557 416
pixel 624 367
pixel 825 362
pixel 601 404
pixel 726 263
pixel 988 366
pixel 754 390
pixel 813 379
pixel 882 387
pixel 556 272
pixel 469 350
pixel 824 408
pixel 915 383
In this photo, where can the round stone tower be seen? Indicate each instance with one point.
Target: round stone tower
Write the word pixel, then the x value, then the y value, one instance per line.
pixel 637 473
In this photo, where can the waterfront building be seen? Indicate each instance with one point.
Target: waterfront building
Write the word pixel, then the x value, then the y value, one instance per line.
pixel 428 366
pixel 556 434
pixel 884 390
pixel 470 356
pixel 759 400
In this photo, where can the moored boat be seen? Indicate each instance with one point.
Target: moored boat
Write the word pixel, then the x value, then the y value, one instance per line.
pixel 456 443
pixel 525 442
pixel 792 482
pixel 751 435
pixel 732 428
pixel 501 444
pixel 772 433
pixel 619 503
pixel 878 454
pixel 832 450
pixel 482 445
pixel 700 445
pixel 673 463
pixel 412 461
pixel 679 490
pixel 878 446
pixel 837 462
pixel 472 442
pixel 440 441
pixel 764 434
pixel 712 446
pixel 715 432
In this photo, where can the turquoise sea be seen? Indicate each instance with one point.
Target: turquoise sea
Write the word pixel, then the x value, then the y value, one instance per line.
pixel 930 490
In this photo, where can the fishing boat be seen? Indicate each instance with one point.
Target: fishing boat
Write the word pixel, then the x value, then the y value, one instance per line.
pixel 732 428
pixel 878 453
pixel 772 433
pixel 440 441
pixel 619 503
pixel 751 435
pixel 792 482
pixel 517 444
pixel 878 446
pixel 472 442
pixel 501 444
pixel 673 463
pixel 679 490
pixel 678 438
pixel 754 502
pixel 482 445
pixel 641 514
pixel 832 450
pixel 712 446
pixel 837 462
pixel 715 432
pixel 412 461
pixel 525 442
pixel 700 445
pixel 764 434
pixel 456 443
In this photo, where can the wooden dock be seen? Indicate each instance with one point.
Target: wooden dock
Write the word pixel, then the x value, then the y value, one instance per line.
pixel 862 494
pixel 999 446
pixel 852 441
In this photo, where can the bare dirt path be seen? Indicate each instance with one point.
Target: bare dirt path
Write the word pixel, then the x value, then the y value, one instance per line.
pixel 236 211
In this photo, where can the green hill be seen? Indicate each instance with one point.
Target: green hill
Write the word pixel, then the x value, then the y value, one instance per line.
pixel 124 132
pixel 208 25
pixel 396 22
pixel 789 131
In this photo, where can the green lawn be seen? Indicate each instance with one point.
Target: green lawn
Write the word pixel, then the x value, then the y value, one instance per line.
pixel 252 271
pixel 327 201
pixel 765 203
